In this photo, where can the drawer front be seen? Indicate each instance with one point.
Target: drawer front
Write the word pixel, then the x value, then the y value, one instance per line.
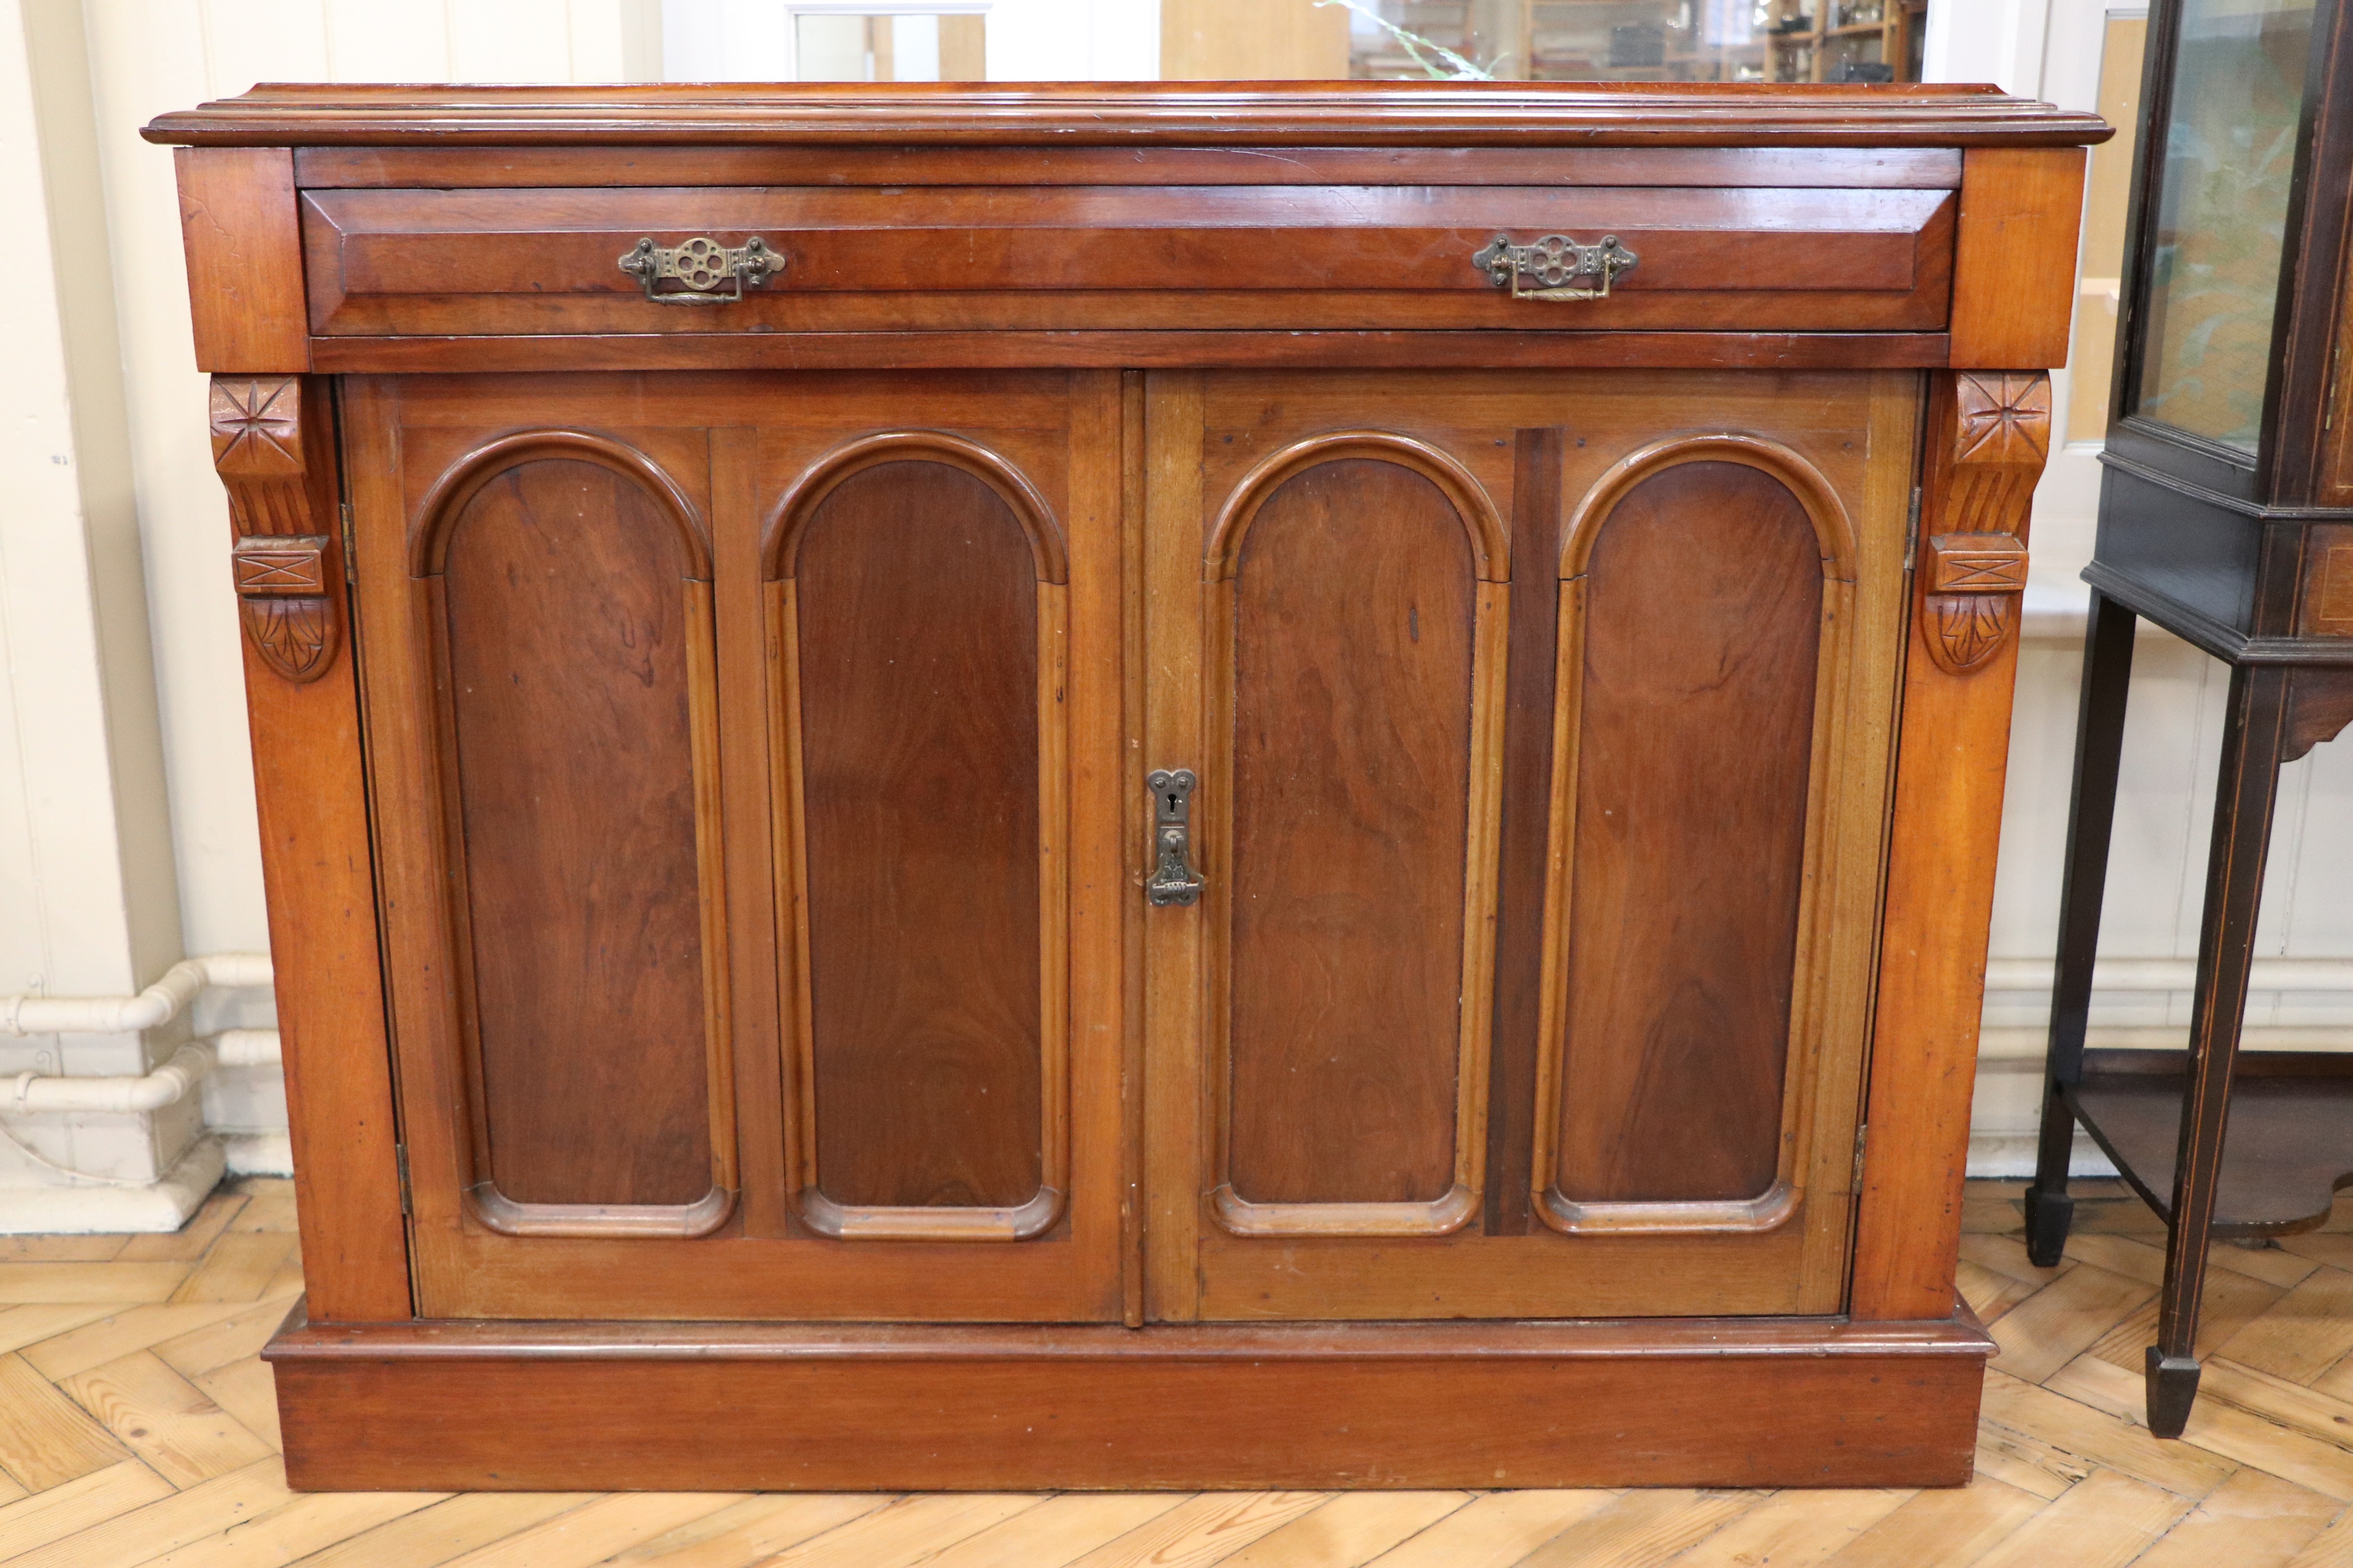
pixel 391 262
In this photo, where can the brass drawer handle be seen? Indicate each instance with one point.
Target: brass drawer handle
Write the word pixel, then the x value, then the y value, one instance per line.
pixel 1554 266
pixel 704 271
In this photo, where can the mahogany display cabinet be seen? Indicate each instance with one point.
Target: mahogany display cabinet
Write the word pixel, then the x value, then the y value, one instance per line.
pixel 1129 786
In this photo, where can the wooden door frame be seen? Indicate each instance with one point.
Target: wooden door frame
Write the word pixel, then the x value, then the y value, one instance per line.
pixel 1847 812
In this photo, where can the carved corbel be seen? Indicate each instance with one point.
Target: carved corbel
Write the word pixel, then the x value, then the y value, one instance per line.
pixel 269 449
pixel 1990 433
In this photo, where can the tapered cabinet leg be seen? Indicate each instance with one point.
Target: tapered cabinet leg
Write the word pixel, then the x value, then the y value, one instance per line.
pixel 2255 740
pixel 2172 1385
pixel 2091 818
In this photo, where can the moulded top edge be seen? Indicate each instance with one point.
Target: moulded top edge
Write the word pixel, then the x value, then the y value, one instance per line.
pixel 1331 114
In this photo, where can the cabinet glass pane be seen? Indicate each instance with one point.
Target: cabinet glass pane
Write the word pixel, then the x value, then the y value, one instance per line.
pixel 2221 214
pixel 1636 40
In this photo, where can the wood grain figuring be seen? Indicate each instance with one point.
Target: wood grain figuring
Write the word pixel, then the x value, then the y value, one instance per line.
pixel 1952 751
pixel 2014 262
pixel 757 700
pixel 1134 114
pixel 766 1261
pixel 244 247
pixel 568 638
pixel 317 875
pixel 2258 1472
pixel 1038 345
pixel 1702 612
pixel 349 168
pixel 1845 444
pixel 498 261
pixel 739 614
pixel 1350 736
pixel 1177 1008
pixel 920 769
pixel 1373 1405
pixel 1525 788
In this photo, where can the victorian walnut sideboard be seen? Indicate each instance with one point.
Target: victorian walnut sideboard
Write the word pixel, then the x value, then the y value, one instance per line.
pixel 1129 786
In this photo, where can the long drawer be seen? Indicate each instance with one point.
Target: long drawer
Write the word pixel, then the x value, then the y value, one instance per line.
pixel 538 261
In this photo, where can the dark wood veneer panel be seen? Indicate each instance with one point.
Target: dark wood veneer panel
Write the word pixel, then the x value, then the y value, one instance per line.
pixel 1695 727
pixel 1532 668
pixel 1352 610
pixel 567 631
pixel 917 603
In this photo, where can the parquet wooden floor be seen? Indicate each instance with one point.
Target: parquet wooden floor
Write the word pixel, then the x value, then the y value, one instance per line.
pixel 137 1428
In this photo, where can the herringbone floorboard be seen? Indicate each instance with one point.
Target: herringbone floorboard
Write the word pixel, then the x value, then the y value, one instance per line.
pixel 137 1431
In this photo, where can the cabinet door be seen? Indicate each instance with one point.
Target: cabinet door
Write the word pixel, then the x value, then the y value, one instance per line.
pixel 1542 725
pixel 745 756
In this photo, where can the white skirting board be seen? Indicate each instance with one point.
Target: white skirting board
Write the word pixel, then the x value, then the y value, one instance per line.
pixel 256 1153
pixel 160 1206
pixel 2009 1156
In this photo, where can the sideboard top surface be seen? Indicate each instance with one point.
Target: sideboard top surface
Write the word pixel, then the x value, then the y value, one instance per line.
pixel 1321 114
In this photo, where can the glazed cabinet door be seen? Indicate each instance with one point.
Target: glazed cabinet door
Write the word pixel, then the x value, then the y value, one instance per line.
pixel 1539 729
pixel 745 756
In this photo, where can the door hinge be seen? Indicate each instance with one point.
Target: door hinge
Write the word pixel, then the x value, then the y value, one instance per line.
pixel 1862 1138
pixel 400 1159
pixel 351 570
pixel 1911 529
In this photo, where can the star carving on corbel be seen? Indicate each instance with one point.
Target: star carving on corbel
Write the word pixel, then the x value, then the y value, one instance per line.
pixel 2002 418
pixel 256 425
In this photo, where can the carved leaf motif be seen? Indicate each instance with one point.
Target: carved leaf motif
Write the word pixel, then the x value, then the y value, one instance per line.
pixel 1969 628
pixel 290 635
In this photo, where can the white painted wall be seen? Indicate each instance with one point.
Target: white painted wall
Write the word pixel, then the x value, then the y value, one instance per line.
pixel 88 902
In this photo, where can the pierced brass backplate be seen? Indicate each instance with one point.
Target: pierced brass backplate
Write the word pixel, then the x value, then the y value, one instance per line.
pixel 1556 266
pixel 1173 878
pixel 702 271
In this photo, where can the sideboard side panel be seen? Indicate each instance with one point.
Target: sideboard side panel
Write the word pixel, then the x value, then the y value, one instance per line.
pixel 2014 260
pixel 245 258
pixel 318 880
pixel 1987 436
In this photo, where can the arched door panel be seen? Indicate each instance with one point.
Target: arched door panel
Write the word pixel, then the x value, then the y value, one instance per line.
pixel 1355 695
pixel 918 612
pixel 1705 599
pixel 570 594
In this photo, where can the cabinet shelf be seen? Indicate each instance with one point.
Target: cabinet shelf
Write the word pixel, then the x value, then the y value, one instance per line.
pixel 2288 1148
